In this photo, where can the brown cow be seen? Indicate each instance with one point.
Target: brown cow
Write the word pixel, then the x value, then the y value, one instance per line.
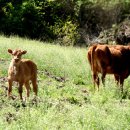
pixel 21 71
pixel 110 59
pixel 99 58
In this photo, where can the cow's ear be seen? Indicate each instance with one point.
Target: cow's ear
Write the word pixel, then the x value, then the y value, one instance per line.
pixel 24 52
pixel 10 51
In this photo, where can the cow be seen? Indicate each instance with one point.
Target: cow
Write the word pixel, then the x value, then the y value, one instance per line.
pixel 21 71
pixel 99 64
pixel 109 59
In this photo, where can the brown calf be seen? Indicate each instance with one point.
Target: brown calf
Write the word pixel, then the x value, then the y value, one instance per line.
pixel 21 71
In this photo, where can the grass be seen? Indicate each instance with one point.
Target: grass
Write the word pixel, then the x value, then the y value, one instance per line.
pixel 66 99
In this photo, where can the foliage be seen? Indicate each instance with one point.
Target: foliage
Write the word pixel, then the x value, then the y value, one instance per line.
pixel 67 33
pixel 97 16
pixel 46 20
pixel 33 18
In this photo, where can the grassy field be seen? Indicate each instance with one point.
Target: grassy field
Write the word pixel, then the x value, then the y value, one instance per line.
pixel 66 98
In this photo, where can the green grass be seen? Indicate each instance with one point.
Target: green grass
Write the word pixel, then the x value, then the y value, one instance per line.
pixel 69 104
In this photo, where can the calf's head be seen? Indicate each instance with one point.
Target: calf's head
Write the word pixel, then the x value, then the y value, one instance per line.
pixel 17 54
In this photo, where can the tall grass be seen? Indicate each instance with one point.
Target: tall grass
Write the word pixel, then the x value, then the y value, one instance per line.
pixel 69 104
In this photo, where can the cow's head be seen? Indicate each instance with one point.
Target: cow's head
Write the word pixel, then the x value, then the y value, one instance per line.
pixel 17 54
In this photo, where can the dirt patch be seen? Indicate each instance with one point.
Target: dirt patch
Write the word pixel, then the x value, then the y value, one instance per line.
pixel 10 117
pixel 57 78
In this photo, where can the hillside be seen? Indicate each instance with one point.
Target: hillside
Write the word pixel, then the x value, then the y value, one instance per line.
pixel 66 99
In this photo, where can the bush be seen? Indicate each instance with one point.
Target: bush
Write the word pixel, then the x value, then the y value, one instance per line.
pixel 66 33
pixel 66 21
pixel 101 15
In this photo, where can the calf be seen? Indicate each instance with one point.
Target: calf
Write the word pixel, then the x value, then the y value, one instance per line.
pixel 21 71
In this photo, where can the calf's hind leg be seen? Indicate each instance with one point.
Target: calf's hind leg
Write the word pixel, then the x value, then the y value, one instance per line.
pixel 27 85
pixel 20 89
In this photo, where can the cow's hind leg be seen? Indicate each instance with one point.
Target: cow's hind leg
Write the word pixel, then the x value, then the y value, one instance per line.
pixel 96 80
pixel 121 83
pixel 117 79
pixel 121 87
pixel 103 78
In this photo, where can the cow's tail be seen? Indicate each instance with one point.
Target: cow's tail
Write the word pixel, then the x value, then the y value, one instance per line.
pixel 89 56
pixel 92 57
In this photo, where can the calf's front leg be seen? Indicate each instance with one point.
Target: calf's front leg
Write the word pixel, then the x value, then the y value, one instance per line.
pixel 9 88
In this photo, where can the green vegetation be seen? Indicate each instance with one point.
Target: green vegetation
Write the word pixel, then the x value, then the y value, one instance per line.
pixel 66 99
pixel 70 22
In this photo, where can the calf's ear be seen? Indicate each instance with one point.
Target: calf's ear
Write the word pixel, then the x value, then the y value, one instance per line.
pixel 24 52
pixel 10 51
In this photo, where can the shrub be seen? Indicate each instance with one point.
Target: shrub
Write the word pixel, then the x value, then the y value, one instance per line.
pixel 66 32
